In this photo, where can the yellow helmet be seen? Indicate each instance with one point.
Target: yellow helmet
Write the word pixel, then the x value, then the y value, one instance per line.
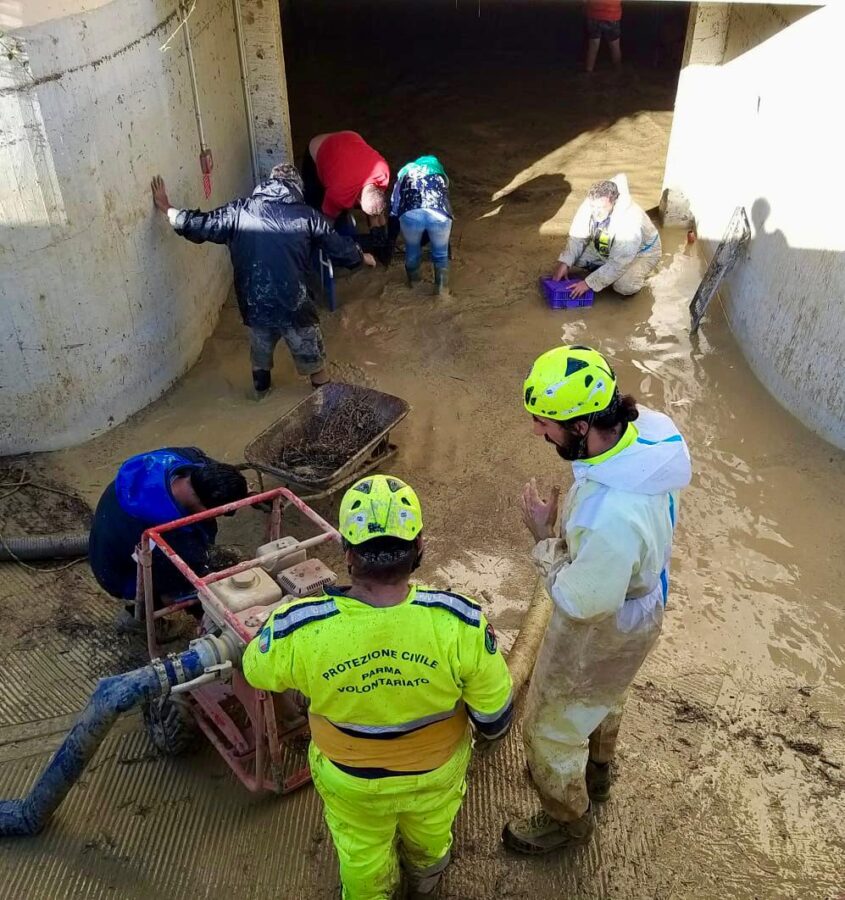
pixel 380 506
pixel 569 382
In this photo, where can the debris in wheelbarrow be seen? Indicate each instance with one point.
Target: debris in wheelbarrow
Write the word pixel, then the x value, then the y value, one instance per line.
pixel 333 440
pixel 327 436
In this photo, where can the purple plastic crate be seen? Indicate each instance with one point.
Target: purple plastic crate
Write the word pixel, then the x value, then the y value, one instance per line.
pixel 558 297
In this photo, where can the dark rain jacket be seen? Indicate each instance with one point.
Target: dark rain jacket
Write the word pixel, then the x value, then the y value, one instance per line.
pixel 271 236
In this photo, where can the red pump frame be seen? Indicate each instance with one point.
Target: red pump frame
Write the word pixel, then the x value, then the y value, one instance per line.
pixel 245 750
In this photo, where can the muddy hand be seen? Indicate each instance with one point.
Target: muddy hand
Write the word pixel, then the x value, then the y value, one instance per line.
pixel 539 515
pixel 160 199
pixel 560 272
pixel 579 289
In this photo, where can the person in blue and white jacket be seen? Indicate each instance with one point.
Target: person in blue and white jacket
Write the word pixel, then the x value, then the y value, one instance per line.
pixel 605 565
pixel 150 489
pixel 612 242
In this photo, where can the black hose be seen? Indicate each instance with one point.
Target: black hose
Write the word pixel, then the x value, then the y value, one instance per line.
pixel 44 546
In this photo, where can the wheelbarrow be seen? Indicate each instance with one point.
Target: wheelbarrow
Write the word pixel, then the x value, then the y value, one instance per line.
pixel 317 415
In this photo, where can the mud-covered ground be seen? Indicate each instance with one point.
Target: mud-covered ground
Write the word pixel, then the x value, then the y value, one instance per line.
pixel 732 758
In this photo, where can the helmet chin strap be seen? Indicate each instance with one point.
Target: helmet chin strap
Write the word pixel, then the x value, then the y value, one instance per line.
pixel 582 444
pixel 611 407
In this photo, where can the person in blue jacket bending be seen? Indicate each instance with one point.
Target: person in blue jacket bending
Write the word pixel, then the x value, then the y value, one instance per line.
pixel 151 489
pixel 271 236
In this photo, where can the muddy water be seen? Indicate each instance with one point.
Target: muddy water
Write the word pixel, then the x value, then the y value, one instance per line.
pixel 752 655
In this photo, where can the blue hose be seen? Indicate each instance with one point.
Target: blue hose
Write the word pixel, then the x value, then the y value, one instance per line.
pixel 111 697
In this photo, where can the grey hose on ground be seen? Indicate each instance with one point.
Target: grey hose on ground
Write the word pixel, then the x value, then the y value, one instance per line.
pixel 44 546
pixel 523 654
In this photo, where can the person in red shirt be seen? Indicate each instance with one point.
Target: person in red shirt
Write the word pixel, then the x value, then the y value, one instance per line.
pixel 604 19
pixel 343 172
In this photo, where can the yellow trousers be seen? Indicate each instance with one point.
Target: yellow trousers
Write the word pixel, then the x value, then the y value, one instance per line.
pixel 368 817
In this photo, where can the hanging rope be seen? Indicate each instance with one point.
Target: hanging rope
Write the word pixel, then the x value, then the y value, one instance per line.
pixel 182 24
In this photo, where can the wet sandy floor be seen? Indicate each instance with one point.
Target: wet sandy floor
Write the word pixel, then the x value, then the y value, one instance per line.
pixel 732 761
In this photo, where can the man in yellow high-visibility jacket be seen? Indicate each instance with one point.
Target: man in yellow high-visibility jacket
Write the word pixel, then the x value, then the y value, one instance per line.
pixel 395 674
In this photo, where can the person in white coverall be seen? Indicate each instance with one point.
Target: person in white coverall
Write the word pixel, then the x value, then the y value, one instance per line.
pixel 606 569
pixel 613 239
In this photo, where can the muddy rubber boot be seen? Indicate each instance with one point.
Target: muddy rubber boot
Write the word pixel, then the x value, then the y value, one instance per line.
pixel 441 280
pixel 318 379
pixel 261 382
pixel 541 833
pixel 126 623
pixel 167 630
pixel 423 888
pixel 423 884
pixel 413 276
pixel 598 781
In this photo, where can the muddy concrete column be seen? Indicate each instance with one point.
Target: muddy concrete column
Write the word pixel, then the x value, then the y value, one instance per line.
pixel 729 148
pixel 707 34
pixel 266 83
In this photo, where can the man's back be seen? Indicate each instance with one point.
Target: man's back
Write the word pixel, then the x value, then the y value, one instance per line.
pixel 393 672
pixel 270 235
pixel 390 687
pixel 345 164
pixel 271 249
pixel 604 10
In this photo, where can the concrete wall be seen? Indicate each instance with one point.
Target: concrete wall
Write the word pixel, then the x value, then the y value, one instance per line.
pixel 756 125
pixel 266 83
pixel 102 307
pixel 20 13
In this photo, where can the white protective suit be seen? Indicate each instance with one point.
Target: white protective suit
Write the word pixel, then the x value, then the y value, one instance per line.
pixel 632 248
pixel 608 579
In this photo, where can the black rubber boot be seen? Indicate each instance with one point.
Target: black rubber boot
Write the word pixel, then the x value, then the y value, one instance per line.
pixel 413 275
pixel 598 781
pixel 441 279
pixel 541 833
pixel 423 889
pixel 126 623
pixel 424 884
pixel 261 382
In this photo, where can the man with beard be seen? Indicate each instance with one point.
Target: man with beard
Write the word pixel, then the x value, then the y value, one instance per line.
pixel 607 571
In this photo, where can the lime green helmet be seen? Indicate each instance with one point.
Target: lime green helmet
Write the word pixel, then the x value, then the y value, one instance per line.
pixel 569 382
pixel 380 506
